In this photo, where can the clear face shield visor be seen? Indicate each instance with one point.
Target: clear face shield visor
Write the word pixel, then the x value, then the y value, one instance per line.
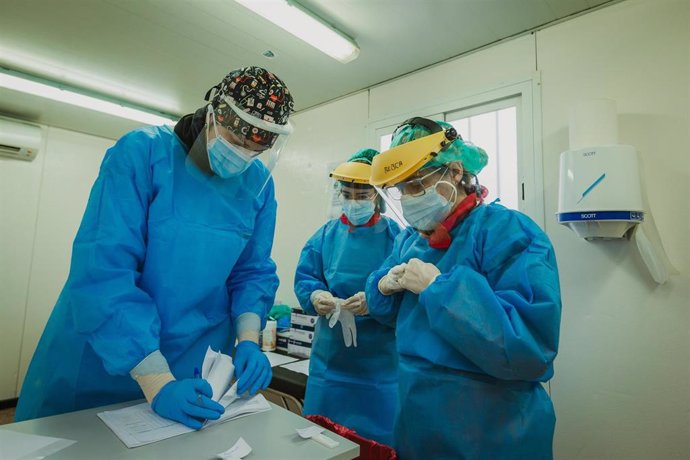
pixel 235 139
pixel 350 188
pixel 354 192
pixel 423 200
pixel 358 202
pixel 415 196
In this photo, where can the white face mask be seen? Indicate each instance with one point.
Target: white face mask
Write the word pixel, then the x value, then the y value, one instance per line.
pixel 359 212
pixel 424 212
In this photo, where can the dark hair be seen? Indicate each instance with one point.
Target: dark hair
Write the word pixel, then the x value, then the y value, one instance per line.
pixel 470 183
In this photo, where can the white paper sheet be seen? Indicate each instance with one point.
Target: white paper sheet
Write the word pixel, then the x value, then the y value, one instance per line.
pixel 240 450
pixel 299 366
pixel 277 359
pixel 309 431
pixel 315 432
pixel 218 370
pixel 22 446
pixel 139 425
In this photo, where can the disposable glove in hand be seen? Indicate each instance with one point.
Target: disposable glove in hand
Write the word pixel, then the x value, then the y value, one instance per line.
pixel 323 302
pixel 347 322
pixel 349 326
pixel 252 368
pixel 334 315
pixel 187 401
pixel 389 284
pixel 418 275
pixel 357 304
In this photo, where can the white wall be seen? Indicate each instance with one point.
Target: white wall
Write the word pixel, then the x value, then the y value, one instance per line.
pixel 19 191
pixel 622 384
pixel 41 207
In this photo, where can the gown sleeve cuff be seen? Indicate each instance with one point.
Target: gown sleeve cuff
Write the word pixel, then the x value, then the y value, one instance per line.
pixel 247 327
pixel 154 363
pixel 152 374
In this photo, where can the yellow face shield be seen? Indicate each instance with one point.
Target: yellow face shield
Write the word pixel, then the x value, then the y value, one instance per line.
pixel 397 164
pixel 353 172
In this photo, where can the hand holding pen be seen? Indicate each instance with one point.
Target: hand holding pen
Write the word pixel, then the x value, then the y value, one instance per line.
pixel 187 401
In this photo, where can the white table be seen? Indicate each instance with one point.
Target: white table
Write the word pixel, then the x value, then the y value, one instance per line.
pixel 271 435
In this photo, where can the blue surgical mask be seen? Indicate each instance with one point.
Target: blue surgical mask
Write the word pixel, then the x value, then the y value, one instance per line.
pixel 425 212
pixel 359 212
pixel 225 159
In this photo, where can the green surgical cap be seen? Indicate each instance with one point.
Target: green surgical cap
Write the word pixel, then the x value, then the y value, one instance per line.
pixel 363 156
pixel 473 158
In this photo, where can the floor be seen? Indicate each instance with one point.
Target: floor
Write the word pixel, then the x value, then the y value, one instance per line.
pixel 6 416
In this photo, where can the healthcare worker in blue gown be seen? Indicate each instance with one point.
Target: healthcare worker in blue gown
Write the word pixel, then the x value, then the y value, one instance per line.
pixel 352 373
pixel 172 256
pixel 474 292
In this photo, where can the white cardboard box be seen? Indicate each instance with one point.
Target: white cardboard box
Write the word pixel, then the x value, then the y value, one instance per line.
pixel 301 319
pixel 297 348
pixel 302 335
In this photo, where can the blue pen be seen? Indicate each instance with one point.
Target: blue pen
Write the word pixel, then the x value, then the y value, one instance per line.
pixel 197 375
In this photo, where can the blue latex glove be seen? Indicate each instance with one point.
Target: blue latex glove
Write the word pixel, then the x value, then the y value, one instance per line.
pixel 187 401
pixel 252 368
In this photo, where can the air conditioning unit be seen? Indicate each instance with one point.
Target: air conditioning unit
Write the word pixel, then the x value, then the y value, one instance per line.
pixel 18 140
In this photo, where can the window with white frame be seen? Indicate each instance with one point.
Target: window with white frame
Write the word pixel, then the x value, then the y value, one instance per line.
pixel 493 127
pixel 505 123
pixel 385 141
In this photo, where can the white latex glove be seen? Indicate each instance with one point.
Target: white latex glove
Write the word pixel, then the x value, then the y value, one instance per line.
pixel 418 275
pixel 334 315
pixel 347 321
pixel 357 304
pixel 323 302
pixel 389 283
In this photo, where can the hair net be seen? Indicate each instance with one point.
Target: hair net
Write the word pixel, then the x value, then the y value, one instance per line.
pixel 363 156
pixel 473 158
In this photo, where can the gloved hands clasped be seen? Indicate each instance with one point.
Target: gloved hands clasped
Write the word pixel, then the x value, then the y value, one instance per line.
pixel 415 276
pixel 187 401
pixel 389 284
pixel 323 302
pixel 357 304
pixel 252 368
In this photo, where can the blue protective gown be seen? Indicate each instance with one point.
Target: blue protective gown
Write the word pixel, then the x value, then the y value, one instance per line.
pixel 356 387
pixel 166 258
pixel 476 343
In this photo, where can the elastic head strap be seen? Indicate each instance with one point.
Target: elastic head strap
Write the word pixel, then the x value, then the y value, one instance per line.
pixel 430 125
pixel 207 97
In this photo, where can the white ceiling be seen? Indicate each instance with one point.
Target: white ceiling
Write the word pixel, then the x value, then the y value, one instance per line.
pixel 165 54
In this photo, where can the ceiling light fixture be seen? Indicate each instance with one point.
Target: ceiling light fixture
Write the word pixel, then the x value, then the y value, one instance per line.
pixel 305 26
pixel 58 92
